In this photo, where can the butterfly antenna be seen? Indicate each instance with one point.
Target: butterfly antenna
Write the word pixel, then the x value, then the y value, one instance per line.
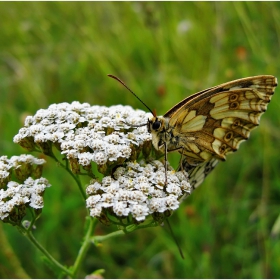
pixel 120 81
pixel 174 238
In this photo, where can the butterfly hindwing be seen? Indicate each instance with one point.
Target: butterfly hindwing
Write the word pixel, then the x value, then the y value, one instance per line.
pixel 198 173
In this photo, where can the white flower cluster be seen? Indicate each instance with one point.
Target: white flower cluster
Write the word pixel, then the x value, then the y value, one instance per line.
pixel 87 133
pixel 14 194
pixel 137 190
pixel 110 137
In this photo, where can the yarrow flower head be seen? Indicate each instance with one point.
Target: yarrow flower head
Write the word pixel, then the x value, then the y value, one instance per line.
pixel 87 134
pixel 132 184
pixel 135 190
pixel 26 191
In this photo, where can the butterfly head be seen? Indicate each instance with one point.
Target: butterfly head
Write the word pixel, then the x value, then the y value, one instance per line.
pixel 155 124
pixel 157 127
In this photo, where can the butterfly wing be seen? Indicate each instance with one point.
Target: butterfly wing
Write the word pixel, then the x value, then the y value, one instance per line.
pixel 198 173
pixel 213 122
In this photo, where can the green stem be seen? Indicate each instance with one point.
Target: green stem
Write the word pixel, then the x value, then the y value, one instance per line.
pixel 85 246
pixel 47 254
pixel 101 238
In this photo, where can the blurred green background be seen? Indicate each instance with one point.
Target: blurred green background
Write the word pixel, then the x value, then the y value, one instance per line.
pixel 52 52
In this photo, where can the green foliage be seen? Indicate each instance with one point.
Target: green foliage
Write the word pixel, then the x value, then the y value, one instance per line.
pixel 54 52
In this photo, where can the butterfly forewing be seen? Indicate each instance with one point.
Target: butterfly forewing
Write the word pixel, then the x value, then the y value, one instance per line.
pixel 213 122
pixel 265 84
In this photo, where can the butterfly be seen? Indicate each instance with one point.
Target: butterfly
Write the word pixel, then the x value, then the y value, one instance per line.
pixel 206 126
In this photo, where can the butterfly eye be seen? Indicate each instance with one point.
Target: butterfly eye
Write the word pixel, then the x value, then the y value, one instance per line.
pixel 156 125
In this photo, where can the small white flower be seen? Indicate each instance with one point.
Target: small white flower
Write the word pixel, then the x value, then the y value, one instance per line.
pixel 4 174
pixel 142 179
pixel 100 158
pixel 36 128
pixel 93 188
pixel 145 188
pixel 148 171
pixel 7 193
pixel 139 212
pixel 17 138
pixel 73 117
pixel 113 152
pixel 97 144
pixel 114 188
pixel 44 122
pixel 93 200
pixel 44 181
pixel 19 200
pixel 160 179
pixel 72 153
pixel 39 188
pixel 40 115
pixel 172 178
pixel 107 200
pixel 29 182
pixel 40 138
pixel 8 206
pixel 123 195
pixel 52 128
pixel 158 193
pixel 28 121
pixel 105 121
pixel 55 137
pixel 61 117
pixel 157 205
pixel 36 201
pixel 24 132
pixel 186 186
pixel 50 114
pixel 96 211
pixel 66 127
pixel 171 202
pixel 120 208
pixel 85 158
pixel 174 189
pixel 98 128
pixel 137 197
pixel 79 144
pixel 25 191
pixel 129 184
pixel 107 181
pixel 125 151
pixel 112 139
pixel 67 145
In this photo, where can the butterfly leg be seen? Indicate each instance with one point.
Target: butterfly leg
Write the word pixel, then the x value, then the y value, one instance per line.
pixel 181 165
pixel 165 164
